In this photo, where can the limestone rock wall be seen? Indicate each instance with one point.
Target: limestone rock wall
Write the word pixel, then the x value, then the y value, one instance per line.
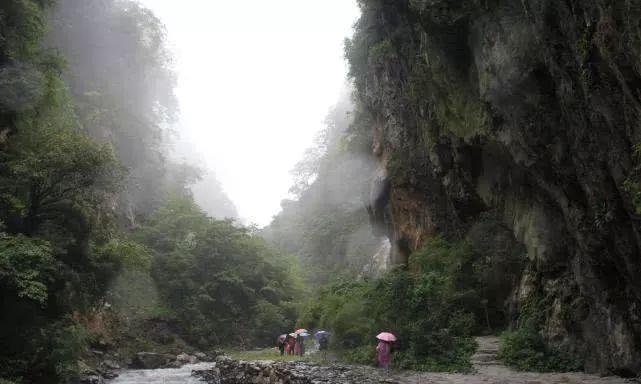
pixel 527 111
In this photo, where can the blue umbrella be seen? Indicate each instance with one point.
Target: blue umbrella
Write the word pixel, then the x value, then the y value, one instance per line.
pixel 321 334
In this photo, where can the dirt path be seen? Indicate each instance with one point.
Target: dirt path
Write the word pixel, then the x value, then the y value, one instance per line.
pixel 489 370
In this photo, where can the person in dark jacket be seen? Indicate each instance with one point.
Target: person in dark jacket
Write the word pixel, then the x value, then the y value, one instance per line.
pixel 323 345
pixel 280 343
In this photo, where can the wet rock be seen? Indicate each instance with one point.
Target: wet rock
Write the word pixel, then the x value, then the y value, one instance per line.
pixel 110 365
pixel 91 379
pixel 85 369
pixel 186 358
pixel 202 356
pixel 228 371
pixel 109 375
pixel 174 364
pixel 150 360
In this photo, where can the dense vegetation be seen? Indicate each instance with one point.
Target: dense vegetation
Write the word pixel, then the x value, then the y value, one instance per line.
pixel 222 284
pixel 56 185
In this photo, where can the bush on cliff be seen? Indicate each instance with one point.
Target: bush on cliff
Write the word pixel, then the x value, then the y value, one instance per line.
pixel 525 350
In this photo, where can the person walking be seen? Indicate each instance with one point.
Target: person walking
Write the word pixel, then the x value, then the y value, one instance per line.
pixel 323 343
pixel 280 343
pixel 299 346
pixel 290 343
pixel 384 349
pixel 384 354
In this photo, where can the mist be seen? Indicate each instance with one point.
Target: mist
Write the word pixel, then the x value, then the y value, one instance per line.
pixel 255 80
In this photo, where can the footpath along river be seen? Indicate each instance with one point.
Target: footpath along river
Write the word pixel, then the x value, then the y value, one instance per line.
pixel 488 370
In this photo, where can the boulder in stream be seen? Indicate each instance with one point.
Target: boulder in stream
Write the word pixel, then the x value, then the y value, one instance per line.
pixel 151 360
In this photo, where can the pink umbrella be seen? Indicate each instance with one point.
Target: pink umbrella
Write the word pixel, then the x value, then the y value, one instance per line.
pixel 386 336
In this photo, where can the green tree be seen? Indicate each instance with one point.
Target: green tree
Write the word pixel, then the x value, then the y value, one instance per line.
pixel 223 284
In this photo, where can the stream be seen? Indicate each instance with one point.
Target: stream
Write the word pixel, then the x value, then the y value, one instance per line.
pixel 161 376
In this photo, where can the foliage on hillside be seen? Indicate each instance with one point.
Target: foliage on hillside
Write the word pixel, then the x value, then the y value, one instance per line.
pixel 221 283
pixel 327 226
pixel 56 188
pixel 122 82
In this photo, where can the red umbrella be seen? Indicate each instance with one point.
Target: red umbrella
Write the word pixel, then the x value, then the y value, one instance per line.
pixel 386 336
pixel 301 330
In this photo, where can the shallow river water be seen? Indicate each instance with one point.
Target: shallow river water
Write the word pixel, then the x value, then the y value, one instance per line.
pixel 161 376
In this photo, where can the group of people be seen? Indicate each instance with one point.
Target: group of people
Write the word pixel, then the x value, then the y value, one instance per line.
pixel 294 344
pixel 291 344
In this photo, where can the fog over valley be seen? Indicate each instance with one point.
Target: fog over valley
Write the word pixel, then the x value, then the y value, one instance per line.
pixel 255 80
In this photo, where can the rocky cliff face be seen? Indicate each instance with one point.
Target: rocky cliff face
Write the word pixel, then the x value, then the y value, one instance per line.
pixel 526 111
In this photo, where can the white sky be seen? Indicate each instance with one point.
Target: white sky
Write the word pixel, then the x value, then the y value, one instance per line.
pixel 255 81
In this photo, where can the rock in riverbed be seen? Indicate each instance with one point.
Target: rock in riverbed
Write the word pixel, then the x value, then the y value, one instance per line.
pixel 228 371
pixel 151 360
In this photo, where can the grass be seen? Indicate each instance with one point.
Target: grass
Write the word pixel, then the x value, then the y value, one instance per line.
pixel 272 354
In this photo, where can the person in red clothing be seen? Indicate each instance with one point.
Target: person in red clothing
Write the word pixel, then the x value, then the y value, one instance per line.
pixel 290 343
pixel 384 354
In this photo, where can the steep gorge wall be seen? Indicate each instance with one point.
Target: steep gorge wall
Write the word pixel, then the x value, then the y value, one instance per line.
pixel 526 111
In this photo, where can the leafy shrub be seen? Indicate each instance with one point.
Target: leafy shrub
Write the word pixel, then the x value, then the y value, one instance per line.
pixel 454 359
pixel 66 347
pixel 364 355
pixel 525 350
pixel 26 266
pixel 125 254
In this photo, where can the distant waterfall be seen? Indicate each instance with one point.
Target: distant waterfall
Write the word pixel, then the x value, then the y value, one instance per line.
pixel 380 261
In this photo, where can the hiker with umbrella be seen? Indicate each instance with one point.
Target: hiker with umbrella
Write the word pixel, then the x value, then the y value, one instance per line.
pixel 323 342
pixel 299 347
pixel 290 342
pixel 384 349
